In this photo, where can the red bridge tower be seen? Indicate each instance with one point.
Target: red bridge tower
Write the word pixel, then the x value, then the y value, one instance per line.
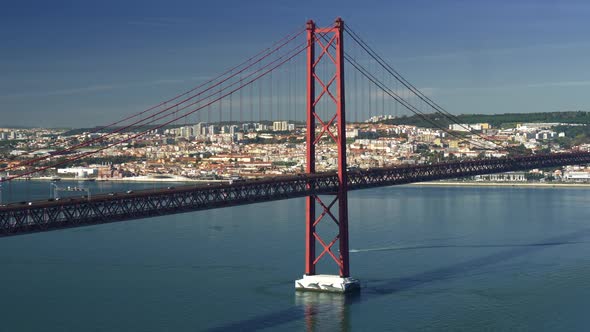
pixel 332 87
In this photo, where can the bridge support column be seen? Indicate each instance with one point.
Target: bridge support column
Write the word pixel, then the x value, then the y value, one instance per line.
pixel 332 127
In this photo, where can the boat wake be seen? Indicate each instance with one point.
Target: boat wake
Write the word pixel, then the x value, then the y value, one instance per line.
pixel 417 247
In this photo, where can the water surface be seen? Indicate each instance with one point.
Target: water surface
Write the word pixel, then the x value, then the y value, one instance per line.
pixel 429 258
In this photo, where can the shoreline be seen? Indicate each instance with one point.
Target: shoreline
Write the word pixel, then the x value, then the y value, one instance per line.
pixel 501 184
pixel 424 184
pixel 156 180
pixel 130 179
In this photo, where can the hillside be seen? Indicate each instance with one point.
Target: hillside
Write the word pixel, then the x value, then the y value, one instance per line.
pixel 497 120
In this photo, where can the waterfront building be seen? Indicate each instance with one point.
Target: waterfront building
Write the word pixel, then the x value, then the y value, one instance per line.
pixel 79 172
pixel 503 177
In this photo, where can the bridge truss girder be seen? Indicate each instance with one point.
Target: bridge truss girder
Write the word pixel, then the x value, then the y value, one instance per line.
pixel 42 216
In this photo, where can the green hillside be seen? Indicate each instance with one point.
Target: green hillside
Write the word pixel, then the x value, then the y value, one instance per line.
pixel 496 120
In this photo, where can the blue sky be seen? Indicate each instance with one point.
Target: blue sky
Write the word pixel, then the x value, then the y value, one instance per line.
pixel 82 63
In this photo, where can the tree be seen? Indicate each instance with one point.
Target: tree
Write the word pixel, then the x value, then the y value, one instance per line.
pixel 545 150
pixel 519 151
pixel 533 176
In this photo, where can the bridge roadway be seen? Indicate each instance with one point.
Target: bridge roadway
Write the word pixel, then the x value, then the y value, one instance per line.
pixel 39 216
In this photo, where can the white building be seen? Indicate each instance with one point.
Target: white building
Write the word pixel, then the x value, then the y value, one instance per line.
pixel 463 127
pixel 576 176
pixel 200 129
pixel 260 127
pixel 79 172
pixel 280 126
pixel 502 177
pixel 545 134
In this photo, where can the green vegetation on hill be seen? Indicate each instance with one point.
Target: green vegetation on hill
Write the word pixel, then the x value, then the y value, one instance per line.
pixel 7 146
pixel 574 135
pixel 496 120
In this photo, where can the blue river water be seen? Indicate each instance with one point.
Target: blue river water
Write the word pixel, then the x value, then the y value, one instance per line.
pixel 429 259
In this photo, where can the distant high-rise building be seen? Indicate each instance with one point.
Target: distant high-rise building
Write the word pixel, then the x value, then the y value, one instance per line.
pixel 233 129
pixel 185 132
pixel 200 129
pixel 213 129
pixel 280 126
pixel 260 127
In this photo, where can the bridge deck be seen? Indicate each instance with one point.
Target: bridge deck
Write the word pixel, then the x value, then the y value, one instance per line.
pixel 38 216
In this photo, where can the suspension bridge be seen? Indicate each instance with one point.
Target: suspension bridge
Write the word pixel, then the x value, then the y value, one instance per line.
pixel 260 95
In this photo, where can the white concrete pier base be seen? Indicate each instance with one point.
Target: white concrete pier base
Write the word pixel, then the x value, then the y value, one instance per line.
pixel 327 283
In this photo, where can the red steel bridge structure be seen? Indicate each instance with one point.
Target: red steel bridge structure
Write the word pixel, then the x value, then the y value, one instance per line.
pixel 325 192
